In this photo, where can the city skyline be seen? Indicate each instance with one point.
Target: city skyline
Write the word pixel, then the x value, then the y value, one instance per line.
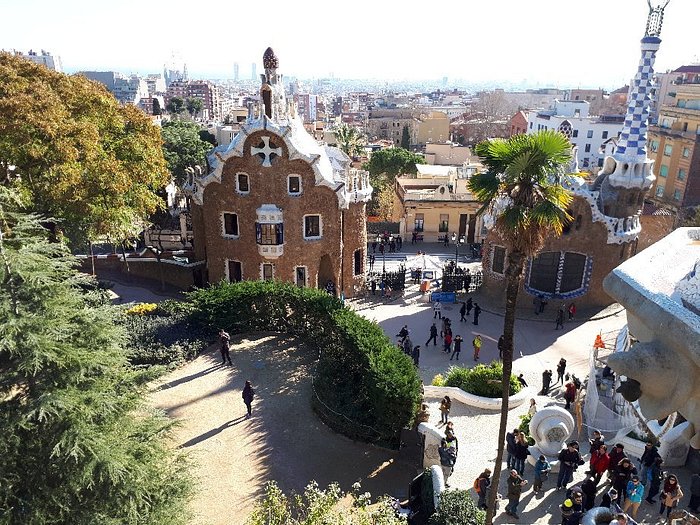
pixel 538 44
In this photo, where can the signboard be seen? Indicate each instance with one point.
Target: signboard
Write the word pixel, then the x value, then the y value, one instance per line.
pixel 443 297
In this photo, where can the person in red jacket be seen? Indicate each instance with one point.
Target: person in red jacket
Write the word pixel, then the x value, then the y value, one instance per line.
pixel 600 463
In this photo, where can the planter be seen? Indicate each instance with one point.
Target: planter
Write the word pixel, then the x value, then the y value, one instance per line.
pixel 485 403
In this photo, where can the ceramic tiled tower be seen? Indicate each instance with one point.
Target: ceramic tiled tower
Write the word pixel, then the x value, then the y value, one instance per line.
pixel 627 175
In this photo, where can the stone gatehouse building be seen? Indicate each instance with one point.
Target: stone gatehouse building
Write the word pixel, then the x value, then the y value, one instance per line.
pixel 276 204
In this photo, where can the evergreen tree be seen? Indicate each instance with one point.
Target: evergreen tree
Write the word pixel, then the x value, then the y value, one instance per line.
pixel 78 443
pixel 405 139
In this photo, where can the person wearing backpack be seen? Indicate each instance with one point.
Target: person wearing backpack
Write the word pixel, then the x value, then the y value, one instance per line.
pixel 248 395
pixel 448 455
pixel 482 484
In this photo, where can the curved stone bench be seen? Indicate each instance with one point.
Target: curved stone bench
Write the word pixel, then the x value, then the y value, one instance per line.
pixel 485 403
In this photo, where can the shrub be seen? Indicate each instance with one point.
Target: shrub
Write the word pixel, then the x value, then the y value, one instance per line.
pixel 363 385
pixel 457 508
pixel 142 309
pixel 166 339
pixel 482 380
pixel 438 380
pixel 524 427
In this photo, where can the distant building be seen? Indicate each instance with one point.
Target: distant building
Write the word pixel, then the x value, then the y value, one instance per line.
pixel 306 106
pixel 436 203
pixel 388 124
pixel 675 143
pixel 204 90
pixel 517 125
pixel 156 84
pixel 253 71
pixel 235 71
pixel 127 90
pixel 174 75
pixel 44 58
pixel 432 127
pixel 447 154
pixel 587 133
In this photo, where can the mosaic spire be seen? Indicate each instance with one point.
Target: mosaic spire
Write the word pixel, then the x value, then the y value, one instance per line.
pixel 633 168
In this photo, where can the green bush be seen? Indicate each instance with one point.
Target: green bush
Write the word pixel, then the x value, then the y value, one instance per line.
pixel 524 427
pixel 364 386
pixel 482 380
pixel 457 508
pixel 167 338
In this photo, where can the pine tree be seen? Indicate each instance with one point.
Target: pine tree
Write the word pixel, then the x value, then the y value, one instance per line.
pixel 78 444
pixel 405 139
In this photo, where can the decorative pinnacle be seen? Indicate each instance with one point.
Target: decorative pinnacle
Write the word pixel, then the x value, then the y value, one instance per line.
pixel 656 17
pixel 270 59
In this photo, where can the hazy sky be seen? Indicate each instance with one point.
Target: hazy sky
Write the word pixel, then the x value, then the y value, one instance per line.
pixel 564 43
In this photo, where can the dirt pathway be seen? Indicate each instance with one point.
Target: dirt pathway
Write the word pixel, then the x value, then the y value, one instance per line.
pixel 284 441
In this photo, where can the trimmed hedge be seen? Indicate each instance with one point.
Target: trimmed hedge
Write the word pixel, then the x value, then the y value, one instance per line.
pixel 364 386
pixel 482 380
pixel 457 508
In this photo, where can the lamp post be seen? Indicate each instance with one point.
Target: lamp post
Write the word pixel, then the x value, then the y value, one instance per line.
pixel 383 250
pixel 457 243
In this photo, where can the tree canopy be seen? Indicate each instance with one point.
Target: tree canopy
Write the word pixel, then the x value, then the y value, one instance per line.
pixel 175 105
pixel 349 139
pixel 78 445
pixel 405 138
pixel 194 105
pixel 183 147
pixel 393 162
pixel 81 158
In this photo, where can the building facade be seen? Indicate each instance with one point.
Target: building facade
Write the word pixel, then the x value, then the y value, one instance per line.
pixel 44 58
pixel 436 203
pixel 675 145
pixel 586 132
pixel 204 90
pixel 276 205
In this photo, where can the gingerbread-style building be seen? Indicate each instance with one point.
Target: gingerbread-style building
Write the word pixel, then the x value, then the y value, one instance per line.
pixel 275 204
pixel 607 213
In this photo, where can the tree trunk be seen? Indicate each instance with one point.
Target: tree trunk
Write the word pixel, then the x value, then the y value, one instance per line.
pixel 92 258
pixel 514 272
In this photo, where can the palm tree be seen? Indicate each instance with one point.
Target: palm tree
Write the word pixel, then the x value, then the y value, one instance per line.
pixel 349 139
pixel 522 191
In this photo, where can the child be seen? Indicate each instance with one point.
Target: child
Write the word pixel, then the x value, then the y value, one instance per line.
pixel 542 470
pixel 445 406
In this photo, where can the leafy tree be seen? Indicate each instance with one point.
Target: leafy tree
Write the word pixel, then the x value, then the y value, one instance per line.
pixel 194 105
pixel 384 166
pixel 350 140
pixel 318 506
pixel 175 106
pixel 385 203
pixel 522 192
pixel 206 136
pixel 405 139
pixel 79 445
pixel 156 107
pixel 183 147
pixel 80 157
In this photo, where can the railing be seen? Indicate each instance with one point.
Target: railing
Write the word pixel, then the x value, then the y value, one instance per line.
pixel 456 280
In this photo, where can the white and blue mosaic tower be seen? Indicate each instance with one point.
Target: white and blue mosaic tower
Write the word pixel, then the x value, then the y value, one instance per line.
pixel 627 175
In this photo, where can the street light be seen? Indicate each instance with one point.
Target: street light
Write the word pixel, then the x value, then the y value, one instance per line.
pixel 461 241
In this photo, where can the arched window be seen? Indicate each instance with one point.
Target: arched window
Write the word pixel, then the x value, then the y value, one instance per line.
pixel 566 129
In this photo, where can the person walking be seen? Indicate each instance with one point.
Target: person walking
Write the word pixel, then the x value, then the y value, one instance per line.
pixel 447 341
pixel 448 451
pixel 634 494
pixel 437 310
pixel 457 347
pixel 371 262
pixel 225 346
pixel 532 410
pixel 477 313
pixel 433 335
pixel 694 492
pixel 445 406
pixel 515 488
pixel 521 380
pixel 482 487
pixel 561 370
pixel 462 312
pixel 415 355
pixel 403 333
pixel 572 311
pixel 671 495
pixel 467 281
pixel 476 343
pixel 656 476
pixel 373 286
pixel 569 460
pixel 560 319
pixel 521 453
pixel 542 470
pixel 501 346
pixel 248 394
pixel 569 394
pixel 546 380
